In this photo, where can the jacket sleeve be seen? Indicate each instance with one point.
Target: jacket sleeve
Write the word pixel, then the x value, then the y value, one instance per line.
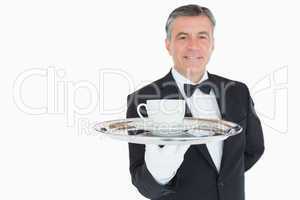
pixel 140 176
pixel 254 136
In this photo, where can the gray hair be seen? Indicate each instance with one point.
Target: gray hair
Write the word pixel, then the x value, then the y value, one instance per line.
pixel 188 11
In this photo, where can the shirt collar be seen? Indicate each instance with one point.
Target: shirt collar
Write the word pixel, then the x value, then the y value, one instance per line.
pixel 181 80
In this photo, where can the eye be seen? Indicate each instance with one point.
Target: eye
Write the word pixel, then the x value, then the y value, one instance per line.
pixel 182 38
pixel 203 37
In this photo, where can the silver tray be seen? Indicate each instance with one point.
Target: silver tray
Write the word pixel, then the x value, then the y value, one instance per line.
pixel 190 131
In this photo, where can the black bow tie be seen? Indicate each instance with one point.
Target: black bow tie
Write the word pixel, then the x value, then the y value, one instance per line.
pixel 189 89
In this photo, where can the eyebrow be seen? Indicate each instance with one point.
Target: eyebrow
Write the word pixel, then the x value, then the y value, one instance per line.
pixel 203 33
pixel 180 34
pixel 199 33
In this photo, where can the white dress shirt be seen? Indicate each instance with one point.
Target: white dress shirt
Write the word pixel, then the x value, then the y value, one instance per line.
pixel 203 106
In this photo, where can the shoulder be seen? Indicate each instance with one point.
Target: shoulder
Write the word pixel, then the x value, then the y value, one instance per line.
pixel 227 80
pixel 229 84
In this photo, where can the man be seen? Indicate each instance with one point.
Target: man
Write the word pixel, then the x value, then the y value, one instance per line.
pixel 212 171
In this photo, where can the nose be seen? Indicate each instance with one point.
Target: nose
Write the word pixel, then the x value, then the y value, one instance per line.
pixel 193 43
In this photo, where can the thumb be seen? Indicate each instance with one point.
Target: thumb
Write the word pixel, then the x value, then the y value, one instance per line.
pixel 151 148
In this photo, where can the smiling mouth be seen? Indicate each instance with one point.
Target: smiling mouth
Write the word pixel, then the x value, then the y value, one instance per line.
pixel 192 57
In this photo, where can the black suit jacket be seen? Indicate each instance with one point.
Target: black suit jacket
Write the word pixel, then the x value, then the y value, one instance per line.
pixel 197 178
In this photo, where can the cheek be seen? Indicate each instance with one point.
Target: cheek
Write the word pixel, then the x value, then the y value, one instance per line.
pixel 205 44
pixel 175 52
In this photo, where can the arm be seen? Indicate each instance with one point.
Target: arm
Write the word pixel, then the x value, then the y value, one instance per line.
pixel 254 136
pixel 140 175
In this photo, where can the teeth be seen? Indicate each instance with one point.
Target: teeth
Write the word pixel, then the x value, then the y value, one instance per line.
pixel 189 57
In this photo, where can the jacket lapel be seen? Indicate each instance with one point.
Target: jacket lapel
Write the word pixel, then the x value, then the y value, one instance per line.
pixel 221 100
pixel 216 84
pixel 226 99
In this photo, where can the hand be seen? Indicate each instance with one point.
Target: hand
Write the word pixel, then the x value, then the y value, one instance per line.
pixel 163 162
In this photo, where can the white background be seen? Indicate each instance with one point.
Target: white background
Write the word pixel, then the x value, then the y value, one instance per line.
pixel 47 156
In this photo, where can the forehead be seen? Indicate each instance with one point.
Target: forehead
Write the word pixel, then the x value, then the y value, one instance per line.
pixel 191 24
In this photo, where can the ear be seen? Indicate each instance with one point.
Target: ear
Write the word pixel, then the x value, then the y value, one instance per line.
pixel 167 45
pixel 213 44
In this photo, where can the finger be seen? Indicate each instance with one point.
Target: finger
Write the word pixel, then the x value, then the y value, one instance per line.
pixel 169 149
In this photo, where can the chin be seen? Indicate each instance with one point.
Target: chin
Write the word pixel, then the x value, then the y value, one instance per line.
pixel 195 69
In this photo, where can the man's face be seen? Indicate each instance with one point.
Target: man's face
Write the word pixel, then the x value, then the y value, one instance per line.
pixel 191 45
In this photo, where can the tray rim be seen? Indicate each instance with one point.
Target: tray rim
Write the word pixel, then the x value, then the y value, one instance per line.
pixel 143 139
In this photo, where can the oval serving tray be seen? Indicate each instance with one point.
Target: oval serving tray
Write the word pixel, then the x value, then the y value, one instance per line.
pixel 190 131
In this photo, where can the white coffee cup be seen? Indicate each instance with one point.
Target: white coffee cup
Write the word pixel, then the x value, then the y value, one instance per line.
pixel 167 111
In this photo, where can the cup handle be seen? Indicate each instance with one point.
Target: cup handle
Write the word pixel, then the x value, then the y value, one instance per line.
pixel 138 109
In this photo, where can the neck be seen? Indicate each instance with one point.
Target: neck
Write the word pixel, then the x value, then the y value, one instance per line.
pixel 197 78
